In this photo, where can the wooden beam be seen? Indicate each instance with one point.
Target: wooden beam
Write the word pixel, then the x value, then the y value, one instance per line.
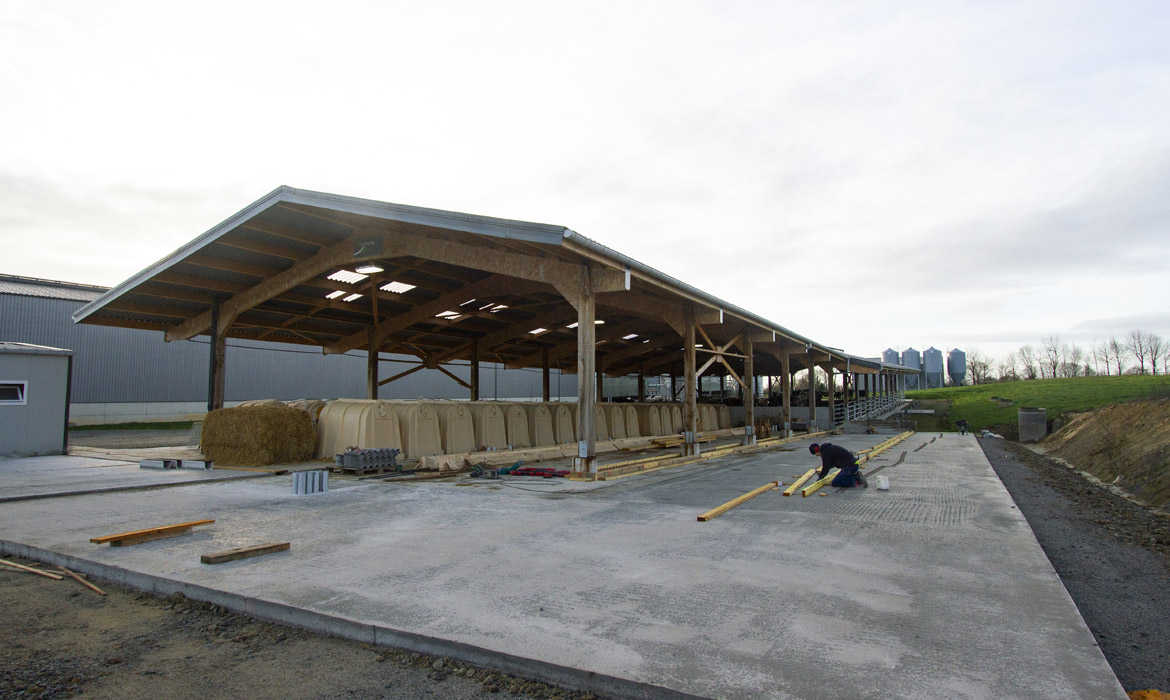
pixel 354 249
pixel 402 374
pixel 136 536
pixel 491 286
pixel 243 553
pixel 447 372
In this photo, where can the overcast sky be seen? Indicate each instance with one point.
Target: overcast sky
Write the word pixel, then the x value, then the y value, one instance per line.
pixel 873 174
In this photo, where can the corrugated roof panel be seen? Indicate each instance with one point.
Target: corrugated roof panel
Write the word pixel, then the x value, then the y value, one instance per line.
pixel 49 289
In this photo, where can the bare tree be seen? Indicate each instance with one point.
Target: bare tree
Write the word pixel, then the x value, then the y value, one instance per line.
pixel 1155 347
pixel 1137 347
pixel 1028 361
pixel 1007 368
pixel 1072 360
pixel 978 366
pixel 1050 360
pixel 1117 351
pixel 1100 357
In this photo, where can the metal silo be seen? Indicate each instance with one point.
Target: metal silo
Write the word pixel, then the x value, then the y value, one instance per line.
pixel 957 366
pixel 890 356
pixel 932 367
pixel 912 358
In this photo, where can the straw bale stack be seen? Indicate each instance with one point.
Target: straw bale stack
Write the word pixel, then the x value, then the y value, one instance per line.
pixel 258 435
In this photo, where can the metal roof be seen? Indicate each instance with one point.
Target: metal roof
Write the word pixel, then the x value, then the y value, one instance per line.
pixel 290 227
pixel 11 348
pixel 52 289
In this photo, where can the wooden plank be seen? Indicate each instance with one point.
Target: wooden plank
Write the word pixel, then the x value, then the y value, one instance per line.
pixel 799 482
pixel 31 570
pixel 83 582
pixel 244 552
pixel 162 529
pixel 720 510
pixel 814 487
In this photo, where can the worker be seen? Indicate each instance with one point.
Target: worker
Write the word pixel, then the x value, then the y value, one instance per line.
pixel 961 424
pixel 835 456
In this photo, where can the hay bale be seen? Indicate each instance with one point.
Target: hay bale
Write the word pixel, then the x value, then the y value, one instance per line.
pixel 258 435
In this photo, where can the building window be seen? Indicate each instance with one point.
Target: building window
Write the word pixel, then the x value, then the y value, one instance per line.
pixel 13 393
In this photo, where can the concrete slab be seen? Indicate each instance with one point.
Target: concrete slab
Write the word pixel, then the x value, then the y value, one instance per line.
pixel 936 587
pixel 46 477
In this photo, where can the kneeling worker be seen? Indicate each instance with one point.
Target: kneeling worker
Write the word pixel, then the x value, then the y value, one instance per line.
pixel 835 456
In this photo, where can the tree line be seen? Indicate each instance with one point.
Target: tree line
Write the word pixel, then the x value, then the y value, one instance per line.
pixel 1138 353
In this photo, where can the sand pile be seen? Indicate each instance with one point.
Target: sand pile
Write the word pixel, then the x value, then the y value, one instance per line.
pixel 269 433
pixel 1127 444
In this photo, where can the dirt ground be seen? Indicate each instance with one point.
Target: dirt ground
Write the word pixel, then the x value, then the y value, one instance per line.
pixel 60 640
pixel 1112 555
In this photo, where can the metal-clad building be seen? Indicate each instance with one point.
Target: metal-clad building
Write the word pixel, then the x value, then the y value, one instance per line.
pixel 126 374
pixel 932 367
pixel 34 395
pixel 957 366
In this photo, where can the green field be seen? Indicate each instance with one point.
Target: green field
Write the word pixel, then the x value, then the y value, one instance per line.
pixel 994 406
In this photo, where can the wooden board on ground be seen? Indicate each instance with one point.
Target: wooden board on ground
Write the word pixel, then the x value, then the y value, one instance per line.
pixel 244 552
pixel 83 582
pixel 153 533
pixel 31 570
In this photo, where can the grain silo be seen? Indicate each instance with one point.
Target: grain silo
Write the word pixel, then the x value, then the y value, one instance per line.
pixel 932 367
pixel 957 366
pixel 890 356
pixel 913 359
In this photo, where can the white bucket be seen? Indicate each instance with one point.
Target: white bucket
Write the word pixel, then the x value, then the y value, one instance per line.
pixel 883 482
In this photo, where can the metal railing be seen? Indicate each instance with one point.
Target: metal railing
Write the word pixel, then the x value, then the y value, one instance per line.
pixel 868 407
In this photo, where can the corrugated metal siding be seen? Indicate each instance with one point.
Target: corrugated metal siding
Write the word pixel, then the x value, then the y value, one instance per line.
pixel 124 365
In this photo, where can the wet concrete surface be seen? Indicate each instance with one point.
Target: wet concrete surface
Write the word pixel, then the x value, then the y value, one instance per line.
pixel 937 586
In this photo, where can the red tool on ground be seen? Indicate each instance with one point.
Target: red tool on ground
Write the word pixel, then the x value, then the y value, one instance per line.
pixel 545 472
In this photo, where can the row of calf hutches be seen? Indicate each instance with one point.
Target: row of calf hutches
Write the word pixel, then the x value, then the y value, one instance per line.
pixel 425 428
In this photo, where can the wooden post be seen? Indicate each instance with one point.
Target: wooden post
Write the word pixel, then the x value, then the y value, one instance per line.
pixel 586 305
pixel 832 400
pixel 786 394
pixel 372 365
pixel 845 376
pixel 372 343
pixel 641 385
pixel 474 395
pixel 216 362
pixel 544 384
pixel 812 393
pixel 691 404
pixel 749 394
pixel 600 385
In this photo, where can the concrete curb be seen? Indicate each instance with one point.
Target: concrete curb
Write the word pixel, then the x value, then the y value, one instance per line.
pixel 118 489
pixel 336 626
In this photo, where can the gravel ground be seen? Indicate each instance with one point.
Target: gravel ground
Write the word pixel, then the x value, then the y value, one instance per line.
pixel 1113 556
pixel 61 640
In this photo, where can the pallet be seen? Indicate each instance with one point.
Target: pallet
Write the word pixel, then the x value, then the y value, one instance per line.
pixel 364 471
pixel 149 534
pixel 244 552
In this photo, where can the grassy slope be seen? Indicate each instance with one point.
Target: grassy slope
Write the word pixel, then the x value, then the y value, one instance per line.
pixel 1059 396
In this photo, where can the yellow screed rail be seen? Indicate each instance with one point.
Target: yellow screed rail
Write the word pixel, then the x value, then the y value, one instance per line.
pixel 720 510
pixel 799 482
pixel 812 488
pixel 877 449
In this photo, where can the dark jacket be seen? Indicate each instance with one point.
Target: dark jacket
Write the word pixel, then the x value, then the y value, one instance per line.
pixel 838 457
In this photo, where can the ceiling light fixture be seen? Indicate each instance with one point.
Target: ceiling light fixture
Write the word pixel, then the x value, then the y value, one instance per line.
pixel 351 297
pixel 369 269
pixel 347 276
pixel 396 287
pixel 334 294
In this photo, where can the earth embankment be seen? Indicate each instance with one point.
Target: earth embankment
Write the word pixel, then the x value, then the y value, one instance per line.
pixel 1126 445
